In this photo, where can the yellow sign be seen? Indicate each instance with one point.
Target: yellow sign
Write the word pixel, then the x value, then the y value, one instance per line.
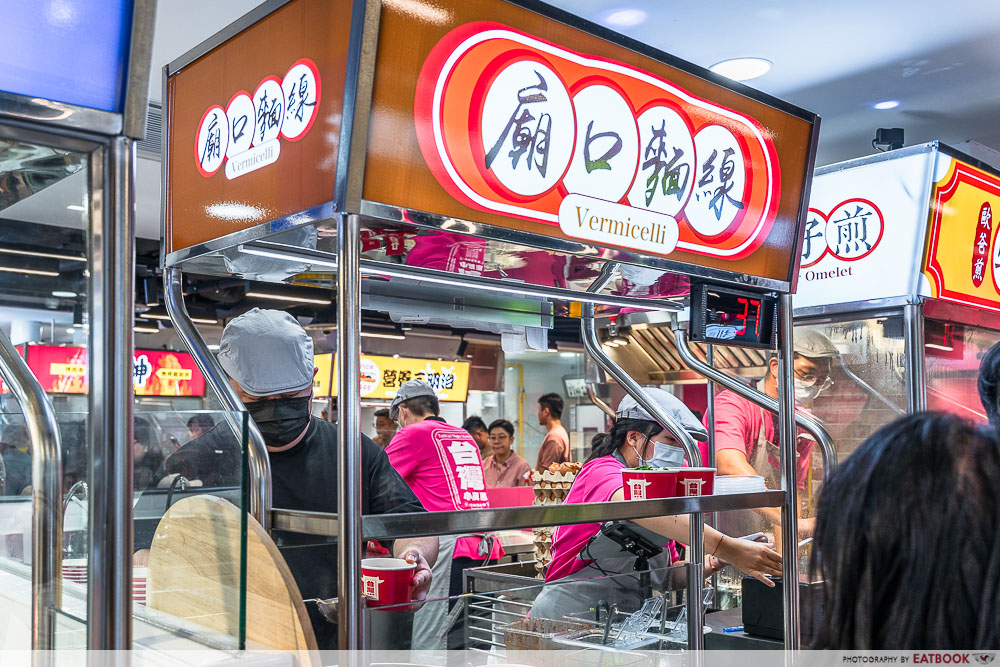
pixel 71 370
pixel 382 376
pixel 174 373
pixel 962 261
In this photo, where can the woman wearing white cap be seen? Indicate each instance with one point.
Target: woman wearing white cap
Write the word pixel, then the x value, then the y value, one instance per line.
pixel 635 439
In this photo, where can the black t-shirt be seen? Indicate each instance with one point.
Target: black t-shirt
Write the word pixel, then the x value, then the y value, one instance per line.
pixel 305 477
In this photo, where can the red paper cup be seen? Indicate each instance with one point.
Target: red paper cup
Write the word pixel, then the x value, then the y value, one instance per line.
pixel 649 484
pixel 695 481
pixel 386 581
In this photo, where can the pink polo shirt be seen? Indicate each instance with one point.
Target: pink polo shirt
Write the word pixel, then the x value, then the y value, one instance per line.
pixel 441 464
pixel 737 426
pixel 596 483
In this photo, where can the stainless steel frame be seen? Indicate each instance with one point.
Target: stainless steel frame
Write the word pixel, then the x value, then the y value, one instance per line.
pixel 259 464
pixel 913 328
pixel 787 416
pixel 370 267
pixel 696 542
pixel 380 526
pixel 812 426
pixel 349 434
pixel 112 309
pixel 46 494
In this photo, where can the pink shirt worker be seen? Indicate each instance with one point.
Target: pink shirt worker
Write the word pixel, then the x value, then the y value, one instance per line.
pixel 441 464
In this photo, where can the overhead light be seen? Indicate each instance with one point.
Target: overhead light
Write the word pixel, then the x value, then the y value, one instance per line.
pixel 76 207
pixel 886 105
pixel 626 17
pixel 70 330
pixel 943 348
pixel 30 272
pixel 742 69
pixel 395 356
pixel 146 330
pixel 391 336
pixel 64 294
pixel 286 297
pixel 567 354
pixel 621 340
pixel 47 255
pixel 213 348
pixel 161 316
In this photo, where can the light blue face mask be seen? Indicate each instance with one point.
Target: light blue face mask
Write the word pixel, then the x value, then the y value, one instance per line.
pixel 664 455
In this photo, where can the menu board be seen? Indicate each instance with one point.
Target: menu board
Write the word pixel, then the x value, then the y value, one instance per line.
pixel 382 376
pixel 64 370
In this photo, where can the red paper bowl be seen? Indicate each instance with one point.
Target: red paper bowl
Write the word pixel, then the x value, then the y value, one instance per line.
pixel 386 581
pixel 695 481
pixel 649 484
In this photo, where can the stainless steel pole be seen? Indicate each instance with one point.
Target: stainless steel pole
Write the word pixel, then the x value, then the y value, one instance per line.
pixel 712 518
pixel 827 448
pixel 46 494
pixel 349 432
pixel 696 548
pixel 913 331
pixel 257 460
pixel 789 513
pixel 112 312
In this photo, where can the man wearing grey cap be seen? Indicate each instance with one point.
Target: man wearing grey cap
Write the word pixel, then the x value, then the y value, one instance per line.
pixel 442 465
pixel 746 435
pixel 269 360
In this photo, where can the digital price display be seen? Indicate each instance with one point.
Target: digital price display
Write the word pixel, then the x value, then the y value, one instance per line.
pixel 725 316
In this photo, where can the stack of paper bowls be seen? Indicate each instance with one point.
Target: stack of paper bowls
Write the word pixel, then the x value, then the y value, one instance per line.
pixel 725 484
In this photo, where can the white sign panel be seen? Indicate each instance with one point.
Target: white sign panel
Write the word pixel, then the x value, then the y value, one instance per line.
pixel 864 235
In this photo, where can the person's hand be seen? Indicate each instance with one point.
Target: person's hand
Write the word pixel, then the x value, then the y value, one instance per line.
pixel 754 558
pixel 140 558
pixel 421 582
pixel 806 527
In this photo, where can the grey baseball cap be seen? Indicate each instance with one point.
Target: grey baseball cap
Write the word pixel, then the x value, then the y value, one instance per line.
pixel 629 408
pixel 409 389
pixel 267 352
pixel 813 344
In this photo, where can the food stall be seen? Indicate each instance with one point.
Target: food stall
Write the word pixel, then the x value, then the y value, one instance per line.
pixel 507 163
pixel 901 269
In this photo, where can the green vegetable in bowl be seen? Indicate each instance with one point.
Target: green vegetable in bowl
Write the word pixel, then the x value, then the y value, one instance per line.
pixel 645 468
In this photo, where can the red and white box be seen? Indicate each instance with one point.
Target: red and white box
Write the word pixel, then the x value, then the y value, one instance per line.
pixel 695 481
pixel 649 484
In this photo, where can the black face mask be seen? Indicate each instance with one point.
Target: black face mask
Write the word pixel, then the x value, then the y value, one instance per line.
pixel 280 420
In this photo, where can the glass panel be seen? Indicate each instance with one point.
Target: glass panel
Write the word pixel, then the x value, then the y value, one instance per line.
pixel 44 218
pixel 191 529
pixel 869 388
pixel 952 353
pixel 71 635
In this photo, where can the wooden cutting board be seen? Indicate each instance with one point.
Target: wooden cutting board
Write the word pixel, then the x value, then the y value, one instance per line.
pixel 194 574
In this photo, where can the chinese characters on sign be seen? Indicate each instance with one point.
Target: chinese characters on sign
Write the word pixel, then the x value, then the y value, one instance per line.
pixel 540 124
pixel 469 470
pixel 245 134
pixel 851 231
pixel 381 377
pixel 981 245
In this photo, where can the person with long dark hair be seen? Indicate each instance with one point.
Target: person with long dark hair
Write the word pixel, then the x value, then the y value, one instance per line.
pixel 989 385
pixel 917 484
pixel 634 440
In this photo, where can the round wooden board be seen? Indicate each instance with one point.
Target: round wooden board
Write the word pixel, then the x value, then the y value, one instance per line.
pixel 194 574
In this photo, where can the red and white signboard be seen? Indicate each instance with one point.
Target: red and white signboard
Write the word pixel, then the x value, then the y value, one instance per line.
pixel 514 125
pixel 245 135
pixel 864 234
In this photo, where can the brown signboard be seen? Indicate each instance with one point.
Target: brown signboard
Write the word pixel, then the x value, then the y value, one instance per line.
pixel 527 123
pixel 253 125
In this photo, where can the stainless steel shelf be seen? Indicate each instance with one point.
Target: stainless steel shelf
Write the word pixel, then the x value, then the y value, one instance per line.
pixel 377 526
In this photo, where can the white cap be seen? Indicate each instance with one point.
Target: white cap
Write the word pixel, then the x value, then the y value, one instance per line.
pixel 409 389
pixel 267 352
pixel 629 408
